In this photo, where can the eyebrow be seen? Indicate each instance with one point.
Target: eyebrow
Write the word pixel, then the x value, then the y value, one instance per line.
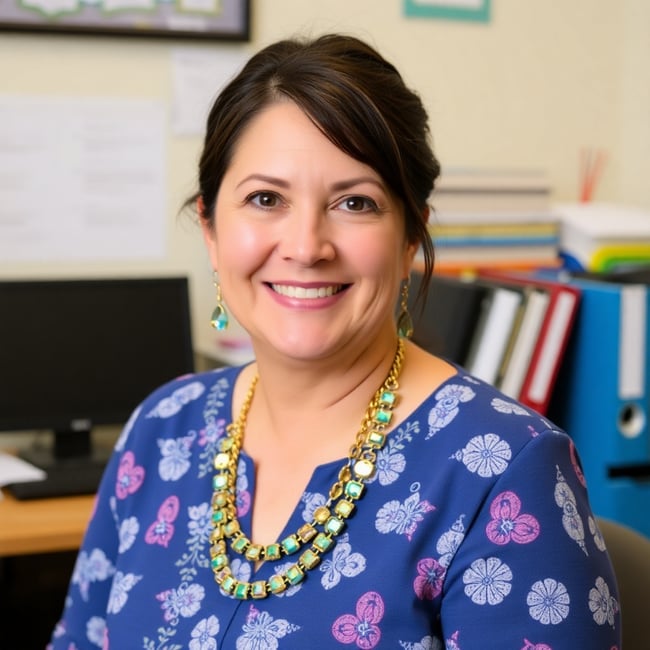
pixel 337 187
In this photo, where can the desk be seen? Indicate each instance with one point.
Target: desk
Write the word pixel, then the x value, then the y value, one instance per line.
pixel 43 525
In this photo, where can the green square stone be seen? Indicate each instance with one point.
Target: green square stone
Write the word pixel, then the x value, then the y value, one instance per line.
pixel 218 516
pixel 258 589
pixel 277 584
pixel 353 489
pixel 295 574
pixel 323 542
pixel 254 552
pixel 228 584
pixel 383 416
pixel 220 481
pixel 309 559
pixel 241 591
pixel 219 562
pixel 231 528
pixel 272 552
pixel 375 438
pixel 388 398
pixel 290 544
pixel 240 544
pixel 334 525
pixel 344 508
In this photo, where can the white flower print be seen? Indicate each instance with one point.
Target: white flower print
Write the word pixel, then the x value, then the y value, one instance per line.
pixel 203 634
pixel 486 455
pixel 548 602
pixel 261 631
pixel 506 406
pixel 175 457
pixel 448 400
pixel 602 604
pixel 312 501
pixel 95 567
pixel 200 523
pixel 122 585
pixel 571 519
pixel 450 541
pixel 184 601
pixel 390 464
pixel 402 518
pixel 171 405
pixel 487 581
pixel 427 643
pixel 129 529
pixel 342 562
pixel 95 630
pixel 599 540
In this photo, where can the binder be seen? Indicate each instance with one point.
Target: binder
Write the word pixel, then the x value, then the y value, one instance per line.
pixel 601 397
pixel 494 331
pixel 533 378
pixel 446 323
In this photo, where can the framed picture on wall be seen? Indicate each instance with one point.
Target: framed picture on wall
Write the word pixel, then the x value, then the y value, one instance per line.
pixel 474 10
pixel 205 19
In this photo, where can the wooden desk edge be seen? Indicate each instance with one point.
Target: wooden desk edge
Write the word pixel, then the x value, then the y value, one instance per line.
pixel 43 525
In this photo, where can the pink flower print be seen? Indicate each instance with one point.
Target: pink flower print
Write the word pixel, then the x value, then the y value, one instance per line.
pixel 535 646
pixel 452 642
pixel 162 530
pixel 362 629
pixel 428 583
pixel 129 476
pixel 507 524
pixel 576 464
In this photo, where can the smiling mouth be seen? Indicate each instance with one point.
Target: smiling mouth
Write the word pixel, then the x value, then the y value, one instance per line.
pixel 307 293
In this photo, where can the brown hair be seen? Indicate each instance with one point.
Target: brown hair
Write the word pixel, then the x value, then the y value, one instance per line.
pixel 355 97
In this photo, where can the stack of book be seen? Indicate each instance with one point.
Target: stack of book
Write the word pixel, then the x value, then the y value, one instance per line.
pixel 603 237
pixel 493 219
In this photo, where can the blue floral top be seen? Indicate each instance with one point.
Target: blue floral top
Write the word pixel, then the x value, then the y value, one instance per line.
pixel 475 532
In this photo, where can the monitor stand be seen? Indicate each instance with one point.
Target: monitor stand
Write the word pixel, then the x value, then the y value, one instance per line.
pixel 73 466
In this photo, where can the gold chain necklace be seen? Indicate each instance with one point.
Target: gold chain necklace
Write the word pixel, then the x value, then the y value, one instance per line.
pixel 328 520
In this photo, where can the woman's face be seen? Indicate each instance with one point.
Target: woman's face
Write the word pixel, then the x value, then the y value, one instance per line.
pixel 308 242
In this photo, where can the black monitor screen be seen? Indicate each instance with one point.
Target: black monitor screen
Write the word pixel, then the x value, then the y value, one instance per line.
pixel 77 353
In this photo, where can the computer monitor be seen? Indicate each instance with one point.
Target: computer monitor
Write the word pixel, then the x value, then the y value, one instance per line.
pixel 76 353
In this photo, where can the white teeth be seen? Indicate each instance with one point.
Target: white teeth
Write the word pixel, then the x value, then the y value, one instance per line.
pixel 308 293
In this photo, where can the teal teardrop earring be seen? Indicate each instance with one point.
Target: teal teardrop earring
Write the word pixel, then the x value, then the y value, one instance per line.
pixel 219 319
pixel 404 320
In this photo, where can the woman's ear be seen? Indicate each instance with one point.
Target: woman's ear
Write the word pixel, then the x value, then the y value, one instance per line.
pixel 209 234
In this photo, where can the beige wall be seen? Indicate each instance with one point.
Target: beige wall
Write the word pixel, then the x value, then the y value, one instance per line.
pixel 541 81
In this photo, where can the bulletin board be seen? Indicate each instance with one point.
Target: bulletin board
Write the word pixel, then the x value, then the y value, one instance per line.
pixel 204 19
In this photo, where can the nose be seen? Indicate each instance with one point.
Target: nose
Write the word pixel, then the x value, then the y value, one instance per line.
pixel 307 237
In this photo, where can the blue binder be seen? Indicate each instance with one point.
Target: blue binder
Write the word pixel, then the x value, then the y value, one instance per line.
pixel 602 397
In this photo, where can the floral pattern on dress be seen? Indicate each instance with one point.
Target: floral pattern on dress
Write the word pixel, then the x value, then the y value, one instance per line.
pixel 175 457
pixel 447 407
pixel 450 541
pixel 167 407
pixel 361 628
pixel 431 576
pixel 402 518
pixel 204 633
pixel 162 530
pixel 89 568
pixel 487 581
pixel 508 406
pixel 548 602
pixel 508 524
pixel 129 476
pixel 341 563
pixel 602 604
pixel 571 520
pixel 262 632
pixel 487 455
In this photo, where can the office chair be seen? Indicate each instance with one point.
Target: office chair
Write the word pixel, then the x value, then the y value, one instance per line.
pixel 629 552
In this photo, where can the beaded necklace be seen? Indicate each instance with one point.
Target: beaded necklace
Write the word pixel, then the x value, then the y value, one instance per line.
pixel 314 538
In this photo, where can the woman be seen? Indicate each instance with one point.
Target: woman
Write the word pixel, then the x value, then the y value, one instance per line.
pixel 346 488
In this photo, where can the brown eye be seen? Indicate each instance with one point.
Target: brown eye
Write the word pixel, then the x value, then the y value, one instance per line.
pixel 264 199
pixel 358 204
